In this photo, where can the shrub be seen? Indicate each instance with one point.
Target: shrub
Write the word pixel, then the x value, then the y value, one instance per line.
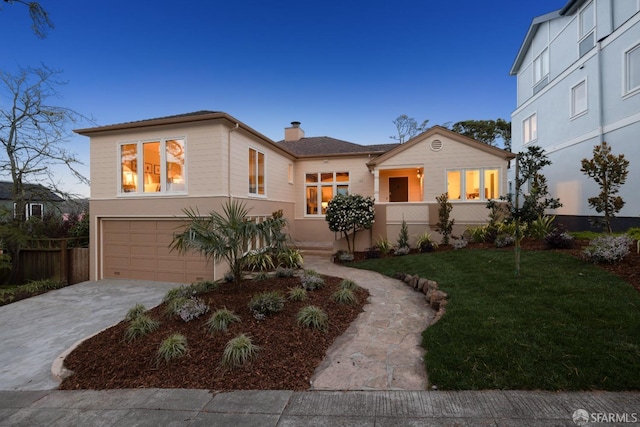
pixel 266 303
pixel 344 296
pixel 311 281
pixel 504 240
pixel 403 237
pixel 139 327
pixel 541 227
pixel 239 351
pixel 313 317
pixel 425 243
pixel 192 308
pixel 348 284
pixel 183 291
pixel 173 347
pixel 608 249
pixel 402 250
pixel 297 294
pixel 290 258
pixel 558 239
pixel 459 243
pixel 634 233
pixel 285 272
pixel 372 252
pixel 263 275
pixel 229 277
pixel 345 256
pixel 477 234
pixel 174 305
pixel 384 245
pixel 134 312
pixel 204 286
pixel 221 319
pixel 259 260
pixel 445 224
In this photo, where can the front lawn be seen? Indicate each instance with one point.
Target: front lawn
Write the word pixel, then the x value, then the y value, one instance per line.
pixel 563 324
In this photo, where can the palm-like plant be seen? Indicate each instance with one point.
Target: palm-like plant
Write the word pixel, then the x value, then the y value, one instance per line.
pixel 219 236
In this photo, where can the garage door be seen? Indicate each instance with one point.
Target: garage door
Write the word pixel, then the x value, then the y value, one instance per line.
pixel 139 249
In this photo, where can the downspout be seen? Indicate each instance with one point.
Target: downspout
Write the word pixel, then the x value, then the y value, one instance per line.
pixel 600 95
pixel 229 160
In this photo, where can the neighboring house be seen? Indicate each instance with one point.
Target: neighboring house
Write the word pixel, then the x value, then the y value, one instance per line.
pixel 578 77
pixel 145 173
pixel 38 200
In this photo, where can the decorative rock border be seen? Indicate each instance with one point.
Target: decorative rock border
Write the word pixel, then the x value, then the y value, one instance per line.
pixel 436 298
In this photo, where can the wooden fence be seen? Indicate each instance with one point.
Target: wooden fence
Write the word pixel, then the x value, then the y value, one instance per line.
pixel 54 259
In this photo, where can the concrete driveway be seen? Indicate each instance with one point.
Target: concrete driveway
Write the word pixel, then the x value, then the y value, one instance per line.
pixel 35 331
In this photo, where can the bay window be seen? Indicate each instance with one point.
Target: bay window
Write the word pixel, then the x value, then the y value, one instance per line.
pixel 320 189
pixel 150 167
pixel 473 184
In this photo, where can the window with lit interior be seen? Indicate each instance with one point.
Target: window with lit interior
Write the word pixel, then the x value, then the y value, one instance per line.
pixel 473 184
pixel 321 187
pixel 151 167
pixel 256 172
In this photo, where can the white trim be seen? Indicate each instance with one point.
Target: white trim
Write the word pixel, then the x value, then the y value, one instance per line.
pixel 528 118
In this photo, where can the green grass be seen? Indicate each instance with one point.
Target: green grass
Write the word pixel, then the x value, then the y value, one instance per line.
pixel 562 324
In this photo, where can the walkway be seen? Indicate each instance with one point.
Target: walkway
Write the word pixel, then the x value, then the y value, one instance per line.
pixel 381 349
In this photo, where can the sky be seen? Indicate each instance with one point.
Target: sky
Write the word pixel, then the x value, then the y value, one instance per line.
pixel 344 69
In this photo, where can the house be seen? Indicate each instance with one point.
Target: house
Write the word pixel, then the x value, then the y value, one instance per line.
pixel 145 173
pixel 38 200
pixel 578 80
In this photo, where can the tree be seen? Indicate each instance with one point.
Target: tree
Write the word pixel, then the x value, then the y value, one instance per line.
pixel 33 133
pixel 610 173
pixel 532 186
pixel 221 237
pixel 41 23
pixel 407 128
pixel 349 214
pixel 487 131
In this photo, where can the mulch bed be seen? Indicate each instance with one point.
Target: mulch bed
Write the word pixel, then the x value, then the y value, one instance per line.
pixel 287 359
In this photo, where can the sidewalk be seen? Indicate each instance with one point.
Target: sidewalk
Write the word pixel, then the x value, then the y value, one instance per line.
pixel 177 407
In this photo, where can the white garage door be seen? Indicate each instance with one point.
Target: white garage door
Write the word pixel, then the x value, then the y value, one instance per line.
pixel 139 249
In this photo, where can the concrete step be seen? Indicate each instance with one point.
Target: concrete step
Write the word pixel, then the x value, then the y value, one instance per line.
pixel 315 248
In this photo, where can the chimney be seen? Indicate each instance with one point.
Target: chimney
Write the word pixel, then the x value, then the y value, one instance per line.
pixel 293 133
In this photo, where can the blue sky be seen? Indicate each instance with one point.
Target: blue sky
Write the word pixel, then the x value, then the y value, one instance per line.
pixel 345 69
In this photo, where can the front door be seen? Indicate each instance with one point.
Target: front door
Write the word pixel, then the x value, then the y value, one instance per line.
pixel 399 189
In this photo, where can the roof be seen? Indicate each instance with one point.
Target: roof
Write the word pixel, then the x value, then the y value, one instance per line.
pixel 569 9
pixel 326 146
pixel 34 192
pixel 499 152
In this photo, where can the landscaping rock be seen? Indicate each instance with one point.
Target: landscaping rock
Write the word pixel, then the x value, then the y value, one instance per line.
pixel 408 278
pixel 414 282
pixel 421 284
pixel 436 298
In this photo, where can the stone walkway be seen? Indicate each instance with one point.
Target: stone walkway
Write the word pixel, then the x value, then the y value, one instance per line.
pixel 381 349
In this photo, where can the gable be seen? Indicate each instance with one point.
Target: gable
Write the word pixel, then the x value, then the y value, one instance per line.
pixel 440 143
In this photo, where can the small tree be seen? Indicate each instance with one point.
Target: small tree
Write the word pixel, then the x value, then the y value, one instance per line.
pixel 349 214
pixel 610 173
pixel 444 225
pixel 219 236
pixel 403 237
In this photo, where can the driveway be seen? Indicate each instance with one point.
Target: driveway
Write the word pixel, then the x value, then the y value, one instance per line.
pixel 35 331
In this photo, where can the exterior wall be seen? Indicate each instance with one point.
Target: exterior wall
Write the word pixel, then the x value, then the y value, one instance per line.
pixel 453 155
pixel 611 115
pixel 206 166
pixel 314 228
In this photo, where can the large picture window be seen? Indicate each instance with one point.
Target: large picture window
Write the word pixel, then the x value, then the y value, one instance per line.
pixel 256 172
pixel 473 184
pixel 149 167
pixel 320 189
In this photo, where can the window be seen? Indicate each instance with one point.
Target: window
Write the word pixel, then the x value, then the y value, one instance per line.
pixel 290 174
pixel 149 167
pixel 579 99
pixel 30 210
pixel 586 36
pixel 320 189
pixel 473 184
pixel 632 69
pixel 256 172
pixel 541 66
pixel 530 129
